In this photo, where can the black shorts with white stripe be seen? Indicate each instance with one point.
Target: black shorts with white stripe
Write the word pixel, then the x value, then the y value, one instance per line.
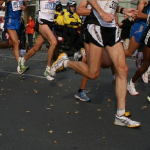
pixel 103 36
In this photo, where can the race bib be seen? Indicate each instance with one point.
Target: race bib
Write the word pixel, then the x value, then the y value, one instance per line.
pixel 16 5
pixel 47 6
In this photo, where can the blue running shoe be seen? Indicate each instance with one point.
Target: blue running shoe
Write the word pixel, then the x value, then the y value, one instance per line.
pixel 82 96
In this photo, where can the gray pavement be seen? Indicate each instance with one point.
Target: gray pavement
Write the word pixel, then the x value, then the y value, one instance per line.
pixel 36 114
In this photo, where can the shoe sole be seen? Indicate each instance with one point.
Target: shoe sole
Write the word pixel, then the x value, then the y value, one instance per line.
pixel 131 93
pixel 59 57
pixel 83 100
pixel 122 124
pixel 24 71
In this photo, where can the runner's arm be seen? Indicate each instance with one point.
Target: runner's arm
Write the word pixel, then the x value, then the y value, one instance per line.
pixel 82 10
pixel 2 7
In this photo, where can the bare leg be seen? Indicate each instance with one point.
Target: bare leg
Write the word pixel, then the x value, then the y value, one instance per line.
pixel 118 58
pixel 39 42
pixel 133 45
pixel 94 62
pixel 145 65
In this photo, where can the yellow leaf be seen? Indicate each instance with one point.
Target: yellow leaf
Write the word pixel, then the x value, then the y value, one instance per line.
pixel 55 142
pixel 35 80
pixel 98 109
pixel 27 111
pixel 76 112
pixel 48 108
pixel 99 117
pixel 109 100
pixel 67 112
pixel 77 102
pixel 51 131
pixel 69 132
pixel 144 107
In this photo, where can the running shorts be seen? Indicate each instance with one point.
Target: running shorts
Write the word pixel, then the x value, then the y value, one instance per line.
pixel 146 37
pixel 12 24
pixel 137 31
pixel 103 36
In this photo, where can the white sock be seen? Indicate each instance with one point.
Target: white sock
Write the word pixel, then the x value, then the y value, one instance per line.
pixel 48 68
pixel 65 63
pixel 120 112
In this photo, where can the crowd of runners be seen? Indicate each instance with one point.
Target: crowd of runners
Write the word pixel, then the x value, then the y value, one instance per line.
pixel 101 40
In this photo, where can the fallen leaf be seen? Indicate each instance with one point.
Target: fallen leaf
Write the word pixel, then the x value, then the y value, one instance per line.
pixel 98 109
pixel 144 107
pixel 76 112
pixel 22 130
pixel 67 112
pixel 51 131
pixel 104 138
pixel 35 91
pixel 35 80
pixel 0 134
pixel 77 102
pixel 52 105
pixel 27 111
pixel 69 132
pixel 70 79
pixel 99 117
pixel 98 88
pixel 2 89
pixel 109 100
pixel 55 142
pixel 48 108
pixel 60 84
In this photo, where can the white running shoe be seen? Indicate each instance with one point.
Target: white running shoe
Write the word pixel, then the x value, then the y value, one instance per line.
pixel 21 67
pixel 47 75
pixel 145 77
pixel 131 88
pixel 58 64
pixel 77 56
pixel 124 121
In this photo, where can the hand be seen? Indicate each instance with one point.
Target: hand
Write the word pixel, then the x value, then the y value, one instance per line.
pixel 130 12
pixel 120 24
pixel 107 17
pixel 26 25
pixel 56 23
pixel 23 7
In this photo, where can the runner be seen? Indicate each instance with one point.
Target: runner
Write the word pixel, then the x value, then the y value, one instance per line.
pixel 103 33
pixel 146 61
pixel 44 25
pixel 13 11
pixel 85 10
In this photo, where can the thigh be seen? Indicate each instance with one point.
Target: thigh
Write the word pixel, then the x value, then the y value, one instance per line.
pixel 117 55
pixel 13 37
pixel 94 58
pixel 46 33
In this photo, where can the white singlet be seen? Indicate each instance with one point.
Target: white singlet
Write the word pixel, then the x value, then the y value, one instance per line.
pixel 109 7
pixel 47 9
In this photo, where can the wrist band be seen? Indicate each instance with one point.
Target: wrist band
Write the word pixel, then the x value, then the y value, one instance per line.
pixel 121 10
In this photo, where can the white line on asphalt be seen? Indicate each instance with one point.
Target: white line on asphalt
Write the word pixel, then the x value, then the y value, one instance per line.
pixel 30 75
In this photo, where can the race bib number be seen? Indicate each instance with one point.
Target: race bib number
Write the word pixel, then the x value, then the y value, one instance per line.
pixel 48 6
pixel 16 5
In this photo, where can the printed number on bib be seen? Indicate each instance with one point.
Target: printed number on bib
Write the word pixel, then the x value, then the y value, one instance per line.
pixel 16 5
pixel 48 6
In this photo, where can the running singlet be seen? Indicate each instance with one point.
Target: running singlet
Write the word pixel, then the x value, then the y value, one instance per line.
pixel 146 10
pixel 13 9
pixel 47 9
pixel 109 7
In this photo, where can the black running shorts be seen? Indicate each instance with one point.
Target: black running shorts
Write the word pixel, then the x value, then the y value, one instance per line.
pixel 103 36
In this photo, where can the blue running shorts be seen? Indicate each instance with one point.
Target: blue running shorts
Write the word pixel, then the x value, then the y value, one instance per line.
pixel 137 31
pixel 12 24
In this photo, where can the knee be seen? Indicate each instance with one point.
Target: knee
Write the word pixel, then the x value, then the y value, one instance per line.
pixel 93 75
pixel 122 71
pixel 54 43
pixel 15 43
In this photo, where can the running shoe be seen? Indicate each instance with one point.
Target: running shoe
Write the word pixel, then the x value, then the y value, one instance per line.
pixel 77 56
pixel 21 67
pixel 82 96
pixel 58 64
pixel 82 52
pixel 145 77
pixel 114 79
pixel 139 59
pixel 131 88
pixel 125 121
pixel 47 75
pixel 148 97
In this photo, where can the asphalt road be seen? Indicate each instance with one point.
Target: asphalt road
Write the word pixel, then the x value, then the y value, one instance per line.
pixel 36 114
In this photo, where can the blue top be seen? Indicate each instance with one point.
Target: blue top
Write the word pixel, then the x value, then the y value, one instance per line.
pixel 13 9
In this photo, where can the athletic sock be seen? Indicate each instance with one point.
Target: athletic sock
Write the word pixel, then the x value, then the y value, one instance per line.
pixel 80 90
pixel 65 63
pixel 120 112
